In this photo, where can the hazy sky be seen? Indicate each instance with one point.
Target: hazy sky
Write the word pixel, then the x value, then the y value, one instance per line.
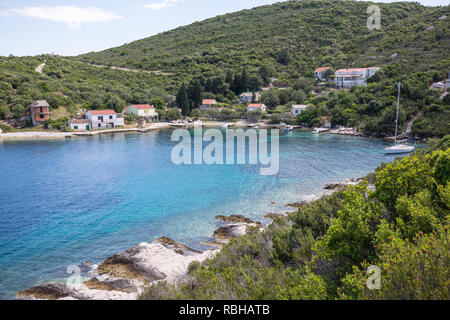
pixel 70 27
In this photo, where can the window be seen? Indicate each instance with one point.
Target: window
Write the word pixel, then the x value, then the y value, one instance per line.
pixel 110 117
pixel 41 116
pixel 75 127
pixel 100 118
pixel 40 109
pixel 99 125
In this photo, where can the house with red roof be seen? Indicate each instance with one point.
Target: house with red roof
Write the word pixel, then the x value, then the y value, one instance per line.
pixel 142 110
pixel 208 104
pixel 320 73
pixel 256 107
pixel 104 119
pixel 354 76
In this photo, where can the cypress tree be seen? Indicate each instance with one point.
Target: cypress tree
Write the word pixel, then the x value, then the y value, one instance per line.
pixel 182 101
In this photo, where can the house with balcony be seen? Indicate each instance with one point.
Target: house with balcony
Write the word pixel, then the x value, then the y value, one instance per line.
pixel 40 111
pixel 353 77
pixel 105 119
pixel 143 111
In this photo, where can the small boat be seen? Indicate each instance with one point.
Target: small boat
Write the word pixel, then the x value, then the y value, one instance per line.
pixel 288 128
pixel 316 131
pixel 198 123
pixel 225 126
pixel 398 146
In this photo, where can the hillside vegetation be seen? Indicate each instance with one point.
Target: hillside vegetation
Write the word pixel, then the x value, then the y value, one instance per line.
pixel 296 36
pixel 280 44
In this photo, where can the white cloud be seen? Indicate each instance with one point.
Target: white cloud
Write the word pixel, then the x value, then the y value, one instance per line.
pixel 162 4
pixel 73 16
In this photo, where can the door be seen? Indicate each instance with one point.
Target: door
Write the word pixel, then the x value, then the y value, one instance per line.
pixel 87 127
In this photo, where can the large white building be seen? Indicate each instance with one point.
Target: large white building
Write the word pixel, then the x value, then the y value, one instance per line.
pixel 353 77
pixel 104 119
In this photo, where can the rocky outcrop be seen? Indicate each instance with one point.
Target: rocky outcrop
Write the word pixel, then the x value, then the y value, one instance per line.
pixel 124 275
pixel 236 218
pixel 335 186
pixel 236 226
pixel 341 185
pixel 296 204
pixel 274 216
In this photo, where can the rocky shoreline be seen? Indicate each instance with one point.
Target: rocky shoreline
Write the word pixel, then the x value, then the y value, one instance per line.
pixel 125 275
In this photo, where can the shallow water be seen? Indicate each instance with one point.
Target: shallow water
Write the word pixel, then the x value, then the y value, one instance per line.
pixel 64 202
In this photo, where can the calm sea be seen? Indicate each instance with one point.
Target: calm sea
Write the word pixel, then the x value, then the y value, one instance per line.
pixel 65 202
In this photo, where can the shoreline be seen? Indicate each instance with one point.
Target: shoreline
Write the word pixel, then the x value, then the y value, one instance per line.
pixel 125 275
pixel 53 135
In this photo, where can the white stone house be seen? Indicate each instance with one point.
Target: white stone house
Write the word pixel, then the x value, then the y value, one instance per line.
pixel 105 119
pixel 256 107
pixel 297 109
pixel 247 97
pixel 79 124
pixel 353 77
pixel 142 110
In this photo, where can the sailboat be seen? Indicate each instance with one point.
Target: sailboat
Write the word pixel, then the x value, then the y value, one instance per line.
pixel 398 147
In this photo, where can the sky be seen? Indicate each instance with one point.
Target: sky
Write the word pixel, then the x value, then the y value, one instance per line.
pixel 72 27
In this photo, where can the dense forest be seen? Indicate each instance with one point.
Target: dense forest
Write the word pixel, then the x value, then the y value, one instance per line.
pixel 224 56
pixel 396 219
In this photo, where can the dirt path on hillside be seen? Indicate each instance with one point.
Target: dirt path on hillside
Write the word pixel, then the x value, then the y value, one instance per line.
pixel 40 67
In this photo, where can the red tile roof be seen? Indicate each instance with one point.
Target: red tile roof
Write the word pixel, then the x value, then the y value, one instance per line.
pixel 101 112
pixel 142 106
pixel 209 101
pixel 321 69
pixel 255 105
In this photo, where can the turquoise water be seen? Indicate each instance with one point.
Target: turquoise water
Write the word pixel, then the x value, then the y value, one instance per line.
pixel 64 202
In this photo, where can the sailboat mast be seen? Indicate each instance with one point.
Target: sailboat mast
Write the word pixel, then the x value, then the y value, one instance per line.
pixel 398 106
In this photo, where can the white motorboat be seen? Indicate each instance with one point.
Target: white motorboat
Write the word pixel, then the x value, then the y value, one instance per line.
pixel 398 147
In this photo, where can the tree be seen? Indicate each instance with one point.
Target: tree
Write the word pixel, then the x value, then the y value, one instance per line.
pixel 17 110
pixel 254 115
pixel 229 79
pixel 244 80
pixel 182 101
pixel 196 113
pixel 284 57
pixel 194 93
pixel 254 83
pixel 158 103
pixel 5 112
pixel 264 74
pixel 270 99
pixel 172 114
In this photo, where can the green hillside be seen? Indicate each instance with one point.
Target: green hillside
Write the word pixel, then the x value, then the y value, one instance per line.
pixel 224 56
pixel 301 34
